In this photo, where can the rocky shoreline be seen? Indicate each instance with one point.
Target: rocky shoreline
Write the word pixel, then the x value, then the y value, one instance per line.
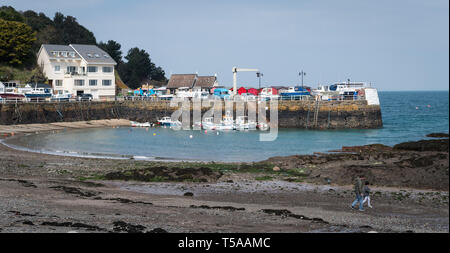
pixel 311 193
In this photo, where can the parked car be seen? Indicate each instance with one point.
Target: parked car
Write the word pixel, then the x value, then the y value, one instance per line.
pixel 84 97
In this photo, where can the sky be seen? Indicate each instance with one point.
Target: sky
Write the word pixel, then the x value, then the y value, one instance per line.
pixel 394 45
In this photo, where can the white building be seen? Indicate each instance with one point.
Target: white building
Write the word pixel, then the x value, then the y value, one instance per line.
pixel 78 69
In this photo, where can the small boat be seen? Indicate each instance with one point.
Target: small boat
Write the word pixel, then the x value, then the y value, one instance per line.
pixel 243 123
pixel 263 126
pixel 167 121
pixel 227 123
pixel 39 91
pixel 208 124
pixel 137 124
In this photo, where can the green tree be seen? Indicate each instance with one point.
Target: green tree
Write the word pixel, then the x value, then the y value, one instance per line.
pixel 16 40
pixel 10 14
pixel 113 49
pixel 70 32
pixel 139 67
pixel 37 76
pixel 36 21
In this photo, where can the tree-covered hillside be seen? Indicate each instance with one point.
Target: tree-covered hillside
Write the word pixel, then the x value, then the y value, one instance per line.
pixel 23 33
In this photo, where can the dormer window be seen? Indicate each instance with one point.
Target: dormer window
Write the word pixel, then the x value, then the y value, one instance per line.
pixel 89 55
pixel 54 53
pixel 97 55
pixel 72 54
pixel 64 54
pixel 106 56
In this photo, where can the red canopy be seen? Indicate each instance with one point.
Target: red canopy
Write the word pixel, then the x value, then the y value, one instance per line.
pixel 253 91
pixel 242 90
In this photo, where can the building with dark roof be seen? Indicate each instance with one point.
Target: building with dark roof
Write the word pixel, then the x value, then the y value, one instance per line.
pixel 192 82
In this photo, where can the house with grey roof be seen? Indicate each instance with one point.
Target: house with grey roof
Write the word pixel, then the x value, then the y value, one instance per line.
pixel 78 69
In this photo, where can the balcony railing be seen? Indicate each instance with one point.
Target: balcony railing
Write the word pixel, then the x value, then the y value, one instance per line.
pixel 75 73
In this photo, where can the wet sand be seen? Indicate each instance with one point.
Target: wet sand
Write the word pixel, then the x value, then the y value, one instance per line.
pixel 46 193
pixel 33 128
pixel 49 193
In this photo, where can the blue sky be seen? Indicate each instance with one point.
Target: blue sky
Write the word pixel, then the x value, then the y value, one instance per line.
pixel 395 45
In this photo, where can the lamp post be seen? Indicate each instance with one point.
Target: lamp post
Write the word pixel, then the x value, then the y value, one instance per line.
pixel 302 73
pixel 259 75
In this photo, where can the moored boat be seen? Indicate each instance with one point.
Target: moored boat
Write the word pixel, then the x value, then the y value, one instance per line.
pixel 137 124
pixel 167 121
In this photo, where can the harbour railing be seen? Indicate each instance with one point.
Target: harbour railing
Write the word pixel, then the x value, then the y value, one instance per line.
pixel 209 98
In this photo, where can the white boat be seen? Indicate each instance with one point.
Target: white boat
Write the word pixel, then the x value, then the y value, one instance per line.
pixel 243 123
pixel 227 122
pixel 167 121
pixel 208 123
pixel 263 126
pixel 137 124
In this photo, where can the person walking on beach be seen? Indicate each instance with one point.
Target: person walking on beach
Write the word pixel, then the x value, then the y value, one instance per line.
pixel 358 192
pixel 366 194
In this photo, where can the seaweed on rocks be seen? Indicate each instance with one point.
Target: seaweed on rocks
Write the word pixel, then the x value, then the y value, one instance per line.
pixel 227 208
pixel 163 173
pixel 287 213
pixel 72 225
pixel 157 230
pixel 27 222
pixel 73 190
pixel 440 145
pixel 121 226
pixel 126 201
pixel 437 135
pixel 24 183
pixel 21 214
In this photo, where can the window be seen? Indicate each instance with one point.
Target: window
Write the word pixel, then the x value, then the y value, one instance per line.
pixel 106 82
pixel 58 82
pixel 72 54
pixel 71 69
pixel 57 68
pixel 64 54
pixel 92 82
pixel 107 69
pixel 79 82
pixel 89 55
pixel 97 55
pixel 54 53
pixel 92 69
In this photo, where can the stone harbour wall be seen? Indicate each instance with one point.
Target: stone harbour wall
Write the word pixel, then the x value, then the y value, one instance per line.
pixel 291 114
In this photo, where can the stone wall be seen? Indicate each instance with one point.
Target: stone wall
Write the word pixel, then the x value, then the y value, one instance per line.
pixel 291 114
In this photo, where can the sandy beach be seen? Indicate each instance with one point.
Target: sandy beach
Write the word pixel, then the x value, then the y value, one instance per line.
pixel 48 193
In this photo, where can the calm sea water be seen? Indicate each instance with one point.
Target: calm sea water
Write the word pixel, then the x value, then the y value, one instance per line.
pixel 402 122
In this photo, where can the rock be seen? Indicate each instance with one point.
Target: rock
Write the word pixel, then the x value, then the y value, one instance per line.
pixel 437 135
pixel 157 230
pixel 27 222
pixel 424 145
pixel 276 168
pixel 163 173
pixel 372 232
pixel 188 194
pixel 121 226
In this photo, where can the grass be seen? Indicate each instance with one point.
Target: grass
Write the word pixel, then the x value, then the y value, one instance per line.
pixel 263 178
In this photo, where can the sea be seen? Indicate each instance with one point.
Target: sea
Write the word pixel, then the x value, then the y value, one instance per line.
pixel 407 116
